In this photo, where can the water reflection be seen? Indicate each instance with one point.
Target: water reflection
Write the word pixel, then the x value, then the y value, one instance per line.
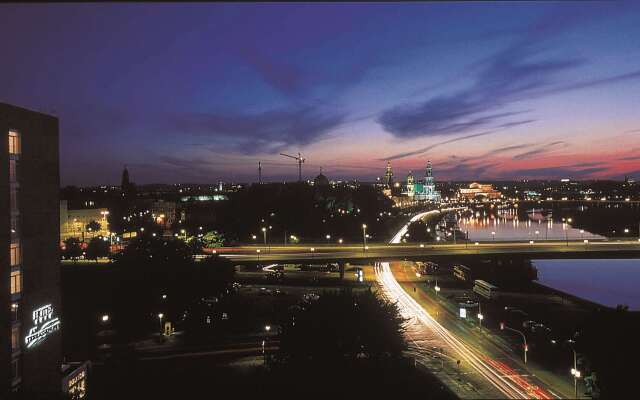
pixel 511 224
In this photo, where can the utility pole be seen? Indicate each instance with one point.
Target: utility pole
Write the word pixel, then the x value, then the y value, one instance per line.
pixel 260 172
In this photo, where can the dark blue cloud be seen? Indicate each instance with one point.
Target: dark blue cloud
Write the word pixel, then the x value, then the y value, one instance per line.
pixel 264 132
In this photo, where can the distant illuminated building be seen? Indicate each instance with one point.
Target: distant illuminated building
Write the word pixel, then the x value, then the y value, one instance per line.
pixel 423 189
pixel 479 191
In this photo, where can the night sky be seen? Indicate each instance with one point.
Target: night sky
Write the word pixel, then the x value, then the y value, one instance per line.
pixel 201 92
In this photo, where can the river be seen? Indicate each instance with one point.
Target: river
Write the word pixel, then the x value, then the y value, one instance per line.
pixel 604 281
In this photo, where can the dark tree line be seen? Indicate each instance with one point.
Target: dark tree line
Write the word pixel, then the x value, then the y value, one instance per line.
pixel 343 326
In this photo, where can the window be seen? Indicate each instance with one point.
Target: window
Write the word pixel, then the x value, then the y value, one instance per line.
pixel 15 312
pixel 15 338
pixel 16 282
pixel 14 142
pixel 15 369
pixel 13 171
pixel 15 254
pixel 13 199
pixel 14 224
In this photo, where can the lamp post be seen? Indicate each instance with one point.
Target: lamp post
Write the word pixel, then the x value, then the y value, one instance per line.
pixel 504 326
pixel 160 316
pixel 437 288
pixel 364 237
pixel 328 237
pixel 575 373
pixel 258 253
pixel 267 328
pixel 264 235
pixel 493 234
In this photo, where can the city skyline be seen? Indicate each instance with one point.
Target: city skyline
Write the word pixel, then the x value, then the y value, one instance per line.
pixel 201 92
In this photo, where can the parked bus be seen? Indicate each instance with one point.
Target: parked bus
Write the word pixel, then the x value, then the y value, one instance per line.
pixel 485 289
pixel 461 272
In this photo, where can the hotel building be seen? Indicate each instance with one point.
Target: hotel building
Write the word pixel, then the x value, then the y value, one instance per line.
pixel 30 337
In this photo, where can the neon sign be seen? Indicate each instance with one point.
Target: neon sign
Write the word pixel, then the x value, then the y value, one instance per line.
pixel 44 325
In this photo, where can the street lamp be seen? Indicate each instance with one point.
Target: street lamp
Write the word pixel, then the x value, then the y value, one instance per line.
pixel 160 316
pixel 503 326
pixel 340 241
pixel 258 253
pixel 493 234
pixel 328 237
pixel 105 318
pixel 364 237
pixel 264 235
pixel 437 288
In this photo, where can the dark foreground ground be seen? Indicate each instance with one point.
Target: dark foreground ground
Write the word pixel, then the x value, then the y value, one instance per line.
pixel 205 377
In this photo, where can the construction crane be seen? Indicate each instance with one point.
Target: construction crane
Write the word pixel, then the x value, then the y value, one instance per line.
pixel 300 161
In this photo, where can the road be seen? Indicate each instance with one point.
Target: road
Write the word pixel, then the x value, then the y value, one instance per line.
pixel 490 378
pixel 489 372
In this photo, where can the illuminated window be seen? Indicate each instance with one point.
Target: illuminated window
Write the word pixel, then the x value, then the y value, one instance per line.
pixel 16 282
pixel 15 254
pixel 13 171
pixel 15 312
pixel 14 142
pixel 15 338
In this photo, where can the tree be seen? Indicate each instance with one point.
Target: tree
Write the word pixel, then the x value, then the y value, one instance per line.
pixel 208 240
pixel 344 326
pixel 72 249
pixel 97 248
pixel 93 226
pixel 214 275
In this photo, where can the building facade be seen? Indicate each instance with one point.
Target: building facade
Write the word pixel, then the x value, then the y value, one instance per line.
pixel 73 223
pixel 30 341
pixel 479 192
pixel 423 189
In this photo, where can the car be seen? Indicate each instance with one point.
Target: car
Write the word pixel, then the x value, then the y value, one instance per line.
pixel 539 327
pixel 265 292
pixel 309 297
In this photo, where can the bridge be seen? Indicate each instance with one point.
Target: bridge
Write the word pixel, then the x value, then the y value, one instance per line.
pixel 385 251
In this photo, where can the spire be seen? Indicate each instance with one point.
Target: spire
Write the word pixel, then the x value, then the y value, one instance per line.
pixel 124 183
pixel 388 175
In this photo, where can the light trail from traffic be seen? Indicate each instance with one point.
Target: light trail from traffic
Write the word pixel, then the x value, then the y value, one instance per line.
pixel 502 377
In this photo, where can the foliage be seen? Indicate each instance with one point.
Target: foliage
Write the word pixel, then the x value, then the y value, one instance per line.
pixel 344 326
pixel 93 226
pixel 97 248
pixel 208 240
pixel 608 339
pixel 418 232
pixel 72 249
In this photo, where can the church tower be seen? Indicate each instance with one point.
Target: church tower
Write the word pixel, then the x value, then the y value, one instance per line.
pixel 388 175
pixel 410 185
